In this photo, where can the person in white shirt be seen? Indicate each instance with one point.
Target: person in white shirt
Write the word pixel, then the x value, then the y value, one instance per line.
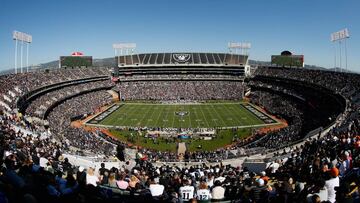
pixel 203 193
pixel 210 180
pixel 218 191
pixel 332 183
pixel 156 189
pixel 91 178
pixel 220 178
pixel 187 191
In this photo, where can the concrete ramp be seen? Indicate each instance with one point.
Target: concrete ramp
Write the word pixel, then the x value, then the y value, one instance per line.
pixel 181 148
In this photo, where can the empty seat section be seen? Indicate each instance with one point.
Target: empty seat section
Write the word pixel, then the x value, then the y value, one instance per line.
pixel 222 58
pixel 146 59
pixel 196 58
pixel 141 57
pixel 121 60
pixel 234 59
pixel 210 58
pixel 128 60
pixel 203 59
pixel 217 58
pixel 227 59
pixel 160 58
pixel 152 58
pixel 243 59
pixel 136 59
pixel 167 58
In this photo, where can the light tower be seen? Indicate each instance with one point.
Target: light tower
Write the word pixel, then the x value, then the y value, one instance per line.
pixel 340 36
pixel 124 48
pixel 22 38
pixel 243 47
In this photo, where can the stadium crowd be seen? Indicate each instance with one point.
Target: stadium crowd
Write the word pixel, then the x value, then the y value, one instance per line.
pixel 76 139
pixel 323 169
pixel 42 103
pixel 181 90
pixel 284 109
pixel 180 76
pixel 15 85
pixel 346 84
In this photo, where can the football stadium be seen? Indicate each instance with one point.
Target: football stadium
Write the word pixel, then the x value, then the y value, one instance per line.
pixel 179 126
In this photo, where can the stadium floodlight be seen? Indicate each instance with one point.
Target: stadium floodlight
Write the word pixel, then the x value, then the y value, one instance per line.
pixel 340 36
pixel 23 38
pixel 242 46
pixel 123 48
pixel 237 45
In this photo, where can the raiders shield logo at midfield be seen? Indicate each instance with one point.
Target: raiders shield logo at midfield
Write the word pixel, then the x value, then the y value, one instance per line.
pixel 181 58
pixel 181 113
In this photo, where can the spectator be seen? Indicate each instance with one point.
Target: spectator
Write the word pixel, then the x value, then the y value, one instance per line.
pixel 203 193
pixel 259 192
pixel 156 189
pixel 121 183
pixel 91 178
pixel 332 183
pixel 218 191
pixel 186 191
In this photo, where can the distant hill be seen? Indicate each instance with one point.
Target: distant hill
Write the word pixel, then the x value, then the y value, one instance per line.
pixel 337 69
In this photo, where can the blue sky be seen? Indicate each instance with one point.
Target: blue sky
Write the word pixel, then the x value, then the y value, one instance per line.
pixel 60 27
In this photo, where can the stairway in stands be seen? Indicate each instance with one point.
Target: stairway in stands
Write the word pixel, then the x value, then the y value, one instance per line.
pixel 181 149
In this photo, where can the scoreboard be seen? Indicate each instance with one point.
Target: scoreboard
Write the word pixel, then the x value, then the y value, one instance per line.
pixel 288 60
pixel 76 61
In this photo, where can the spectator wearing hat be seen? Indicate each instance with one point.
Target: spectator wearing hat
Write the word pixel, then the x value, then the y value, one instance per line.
pixel 81 176
pixel 259 192
pixel 264 177
pixel 332 183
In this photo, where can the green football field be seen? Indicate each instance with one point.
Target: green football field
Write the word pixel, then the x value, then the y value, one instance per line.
pixel 205 115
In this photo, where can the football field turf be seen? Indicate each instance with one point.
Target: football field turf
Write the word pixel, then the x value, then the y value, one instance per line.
pixel 205 115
